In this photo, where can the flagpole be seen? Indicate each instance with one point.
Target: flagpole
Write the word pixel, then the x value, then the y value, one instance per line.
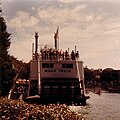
pixel 56 37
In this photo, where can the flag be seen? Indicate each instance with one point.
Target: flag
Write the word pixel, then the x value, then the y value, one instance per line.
pixel 56 34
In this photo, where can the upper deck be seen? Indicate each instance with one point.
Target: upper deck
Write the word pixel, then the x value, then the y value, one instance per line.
pixel 49 62
pixel 56 55
pixel 55 64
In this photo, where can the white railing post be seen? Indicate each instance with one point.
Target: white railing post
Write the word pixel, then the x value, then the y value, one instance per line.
pixel 39 77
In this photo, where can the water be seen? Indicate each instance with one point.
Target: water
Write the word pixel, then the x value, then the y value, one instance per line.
pixel 103 107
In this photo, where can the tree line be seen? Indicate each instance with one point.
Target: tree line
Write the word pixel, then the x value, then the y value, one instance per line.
pixel 107 78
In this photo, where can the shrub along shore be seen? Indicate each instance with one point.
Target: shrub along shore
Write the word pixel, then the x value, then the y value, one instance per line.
pixel 19 110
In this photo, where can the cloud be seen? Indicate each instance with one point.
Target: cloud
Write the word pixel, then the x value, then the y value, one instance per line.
pixel 68 1
pixel 33 8
pixel 93 26
pixel 22 25
pixel 23 19
pixel 73 1
pixel 58 15
pixel 21 50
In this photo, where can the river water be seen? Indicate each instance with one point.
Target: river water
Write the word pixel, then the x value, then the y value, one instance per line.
pixel 100 107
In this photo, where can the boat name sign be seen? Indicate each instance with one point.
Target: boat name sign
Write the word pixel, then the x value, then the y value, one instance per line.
pixel 57 70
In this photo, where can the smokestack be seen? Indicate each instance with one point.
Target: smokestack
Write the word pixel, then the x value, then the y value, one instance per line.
pixel 36 44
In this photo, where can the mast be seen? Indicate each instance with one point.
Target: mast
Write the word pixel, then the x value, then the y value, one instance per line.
pixel 56 37
pixel 75 49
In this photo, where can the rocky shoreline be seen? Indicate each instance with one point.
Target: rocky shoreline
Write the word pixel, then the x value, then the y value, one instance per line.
pixel 19 110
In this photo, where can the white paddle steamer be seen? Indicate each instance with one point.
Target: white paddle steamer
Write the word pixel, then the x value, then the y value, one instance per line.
pixel 56 76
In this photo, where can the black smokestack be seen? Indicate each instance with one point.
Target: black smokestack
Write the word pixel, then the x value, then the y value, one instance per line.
pixel 36 42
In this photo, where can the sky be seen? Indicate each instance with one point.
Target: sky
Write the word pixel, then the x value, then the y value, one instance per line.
pixel 93 26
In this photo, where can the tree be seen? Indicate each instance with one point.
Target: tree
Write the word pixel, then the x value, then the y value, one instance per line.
pixel 89 75
pixel 107 77
pixel 17 64
pixel 6 70
pixel 26 71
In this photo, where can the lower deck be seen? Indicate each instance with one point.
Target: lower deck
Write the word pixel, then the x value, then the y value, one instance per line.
pixel 57 90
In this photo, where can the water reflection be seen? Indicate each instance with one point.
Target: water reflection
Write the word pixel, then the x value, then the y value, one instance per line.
pixel 103 107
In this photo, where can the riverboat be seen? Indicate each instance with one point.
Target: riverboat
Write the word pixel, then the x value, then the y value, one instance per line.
pixel 56 76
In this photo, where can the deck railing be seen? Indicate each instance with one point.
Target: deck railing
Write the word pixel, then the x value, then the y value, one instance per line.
pixel 53 54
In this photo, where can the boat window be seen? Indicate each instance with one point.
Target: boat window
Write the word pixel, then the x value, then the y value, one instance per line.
pixel 67 65
pixel 64 86
pixel 51 65
pixel 55 86
pixel 72 86
pixel 47 65
pixel 44 65
pixel 63 65
pixel 46 86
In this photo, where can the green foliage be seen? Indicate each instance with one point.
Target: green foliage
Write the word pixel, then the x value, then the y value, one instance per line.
pixel 102 78
pixel 6 70
pixel 89 75
pixel 4 37
pixel 110 77
pixel 9 65
pixel 7 76
pixel 25 71
pixel 17 64
pixel 106 75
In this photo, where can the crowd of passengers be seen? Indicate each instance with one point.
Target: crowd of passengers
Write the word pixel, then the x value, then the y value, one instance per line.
pixel 58 54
